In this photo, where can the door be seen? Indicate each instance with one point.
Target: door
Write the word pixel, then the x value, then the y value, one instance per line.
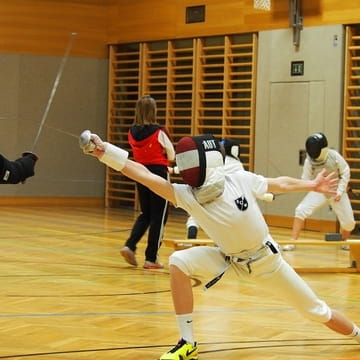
pixel 296 111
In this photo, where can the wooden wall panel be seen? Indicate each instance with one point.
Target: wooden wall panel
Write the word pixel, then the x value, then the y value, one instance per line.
pixel 44 27
pixel 143 20
pixel 201 86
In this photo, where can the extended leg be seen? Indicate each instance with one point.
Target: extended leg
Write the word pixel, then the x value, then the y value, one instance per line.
pixel 287 284
pixel 298 225
pixel 340 323
pixel 345 234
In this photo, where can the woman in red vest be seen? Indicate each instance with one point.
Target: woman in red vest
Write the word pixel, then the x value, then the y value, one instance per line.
pixel 151 147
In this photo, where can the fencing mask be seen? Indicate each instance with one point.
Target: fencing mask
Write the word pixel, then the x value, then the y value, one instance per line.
pixel 317 146
pixel 201 165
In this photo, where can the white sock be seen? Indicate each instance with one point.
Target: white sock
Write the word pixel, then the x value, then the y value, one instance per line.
pixel 185 323
pixel 355 334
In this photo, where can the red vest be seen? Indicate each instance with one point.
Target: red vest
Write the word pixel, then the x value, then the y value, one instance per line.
pixel 148 151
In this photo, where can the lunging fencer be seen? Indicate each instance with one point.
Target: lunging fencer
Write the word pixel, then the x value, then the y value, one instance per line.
pixel 318 157
pixel 226 208
pixel 17 171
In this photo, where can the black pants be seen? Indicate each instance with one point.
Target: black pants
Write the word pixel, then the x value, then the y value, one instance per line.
pixel 153 216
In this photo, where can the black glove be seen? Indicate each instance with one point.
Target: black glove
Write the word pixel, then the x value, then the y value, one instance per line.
pixel 14 172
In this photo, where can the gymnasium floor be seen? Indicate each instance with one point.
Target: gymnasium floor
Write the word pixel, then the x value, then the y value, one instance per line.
pixel 66 293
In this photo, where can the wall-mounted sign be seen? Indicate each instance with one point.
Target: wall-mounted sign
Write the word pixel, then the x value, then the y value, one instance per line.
pixel 297 68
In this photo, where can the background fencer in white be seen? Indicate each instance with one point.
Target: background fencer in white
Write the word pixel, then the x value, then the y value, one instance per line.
pixel 319 157
pixel 226 208
pixel 341 203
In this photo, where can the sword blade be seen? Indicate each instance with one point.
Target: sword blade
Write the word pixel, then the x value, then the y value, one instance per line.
pixel 54 88
pixel 62 131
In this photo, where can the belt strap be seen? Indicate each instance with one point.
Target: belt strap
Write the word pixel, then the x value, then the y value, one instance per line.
pixel 215 279
pixel 268 245
pixel 248 261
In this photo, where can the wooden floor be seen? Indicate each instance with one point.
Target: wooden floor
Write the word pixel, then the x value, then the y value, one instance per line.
pixel 66 293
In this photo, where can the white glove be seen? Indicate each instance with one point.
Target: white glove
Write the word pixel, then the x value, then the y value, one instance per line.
pixel 107 153
pixel 85 142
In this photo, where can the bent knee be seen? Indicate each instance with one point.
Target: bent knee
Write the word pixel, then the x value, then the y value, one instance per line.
pixel 177 260
pixel 302 212
pixel 349 226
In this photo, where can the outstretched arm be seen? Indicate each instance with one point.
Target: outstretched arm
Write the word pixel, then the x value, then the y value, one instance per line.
pixel 322 183
pixel 157 184
pixel 117 159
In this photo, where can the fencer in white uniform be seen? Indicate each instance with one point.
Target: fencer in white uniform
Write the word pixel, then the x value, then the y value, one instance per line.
pixel 232 164
pixel 318 157
pixel 226 208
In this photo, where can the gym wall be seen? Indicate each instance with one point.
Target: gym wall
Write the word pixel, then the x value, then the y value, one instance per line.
pixel 36 75
pixel 79 103
pixel 291 107
pixel 34 35
pixel 144 20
